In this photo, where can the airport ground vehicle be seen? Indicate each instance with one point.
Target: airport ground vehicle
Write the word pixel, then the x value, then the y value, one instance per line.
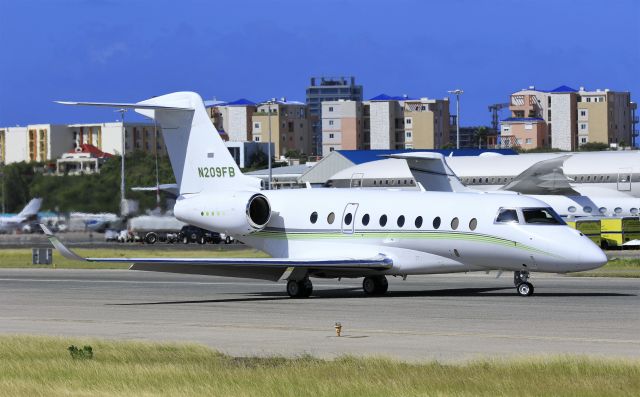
pixel 617 231
pixel 193 234
pixel 590 227
pixel 151 229
pixel 111 235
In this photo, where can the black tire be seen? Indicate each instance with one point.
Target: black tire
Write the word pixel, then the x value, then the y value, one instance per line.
pixel 383 286
pixel 525 289
pixel 227 240
pixel 307 288
pixel 293 289
pixel 151 238
pixel 375 285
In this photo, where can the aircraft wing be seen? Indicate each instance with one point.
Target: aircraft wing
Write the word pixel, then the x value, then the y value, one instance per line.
pixel 264 268
pixel 432 171
pixel 543 178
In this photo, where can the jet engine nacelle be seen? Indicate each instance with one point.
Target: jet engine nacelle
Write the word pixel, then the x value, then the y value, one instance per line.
pixel 234 213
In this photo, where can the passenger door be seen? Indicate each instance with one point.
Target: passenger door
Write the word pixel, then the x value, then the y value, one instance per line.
pixel 624 179
pixel 349 218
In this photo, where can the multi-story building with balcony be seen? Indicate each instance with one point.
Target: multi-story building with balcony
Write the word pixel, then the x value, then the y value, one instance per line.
pixel 233 119
pixel 46 142
pixel 385 122
pixel 323 89
pixel 565 118
pixel 289 123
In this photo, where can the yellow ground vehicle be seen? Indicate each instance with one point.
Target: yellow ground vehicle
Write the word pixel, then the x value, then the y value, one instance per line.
pixel 590 227
pixel 619 230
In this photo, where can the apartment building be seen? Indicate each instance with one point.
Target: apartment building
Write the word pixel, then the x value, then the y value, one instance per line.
pixel 13 145
pixel 289 123
pixel 46 142
pixel 233 119
pixel 323 89
pixel 342 126
pixel 385 122
pixel 565 118
pixel 426 123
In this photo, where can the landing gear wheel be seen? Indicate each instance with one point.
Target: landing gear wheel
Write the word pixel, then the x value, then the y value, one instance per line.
pixel 520 277
pixel 299 289
pixel 375 285
pixel 525 289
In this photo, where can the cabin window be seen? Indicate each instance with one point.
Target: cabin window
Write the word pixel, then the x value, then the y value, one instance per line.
pixel 418 222
pixel 365 219
pixel 454 223
pixel 507 215
pixel 348 218
pixel 436 222
pixel 545 216
pixel 634 211
pixel 473 224
pixel 314 217
pixel 383 220
pixel 587 209
pixel 331 217
pixel 617 210
pixel 571 209
pixel 602 210
pixel 401 221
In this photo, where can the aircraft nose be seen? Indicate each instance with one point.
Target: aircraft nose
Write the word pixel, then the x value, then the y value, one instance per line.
pixel 591 256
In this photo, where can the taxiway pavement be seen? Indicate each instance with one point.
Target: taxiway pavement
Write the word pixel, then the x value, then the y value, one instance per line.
pixel 443 317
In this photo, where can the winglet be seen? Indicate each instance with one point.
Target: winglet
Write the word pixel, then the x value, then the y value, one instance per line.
pixel 66 252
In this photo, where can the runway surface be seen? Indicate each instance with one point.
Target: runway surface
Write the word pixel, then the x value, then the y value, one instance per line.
pixel 444 317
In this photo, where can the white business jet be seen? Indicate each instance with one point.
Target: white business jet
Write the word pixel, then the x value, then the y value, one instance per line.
pixel 333 233
pixel 10 224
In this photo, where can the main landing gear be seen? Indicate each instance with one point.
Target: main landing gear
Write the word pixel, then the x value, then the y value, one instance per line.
pixel 300 288
pixel 523 286
pixel 375 285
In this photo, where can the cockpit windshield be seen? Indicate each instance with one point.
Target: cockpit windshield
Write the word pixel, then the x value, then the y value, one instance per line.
pixel 507 215
pixel 541 216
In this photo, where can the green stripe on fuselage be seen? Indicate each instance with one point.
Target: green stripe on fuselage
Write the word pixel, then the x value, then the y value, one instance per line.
pixel 308 234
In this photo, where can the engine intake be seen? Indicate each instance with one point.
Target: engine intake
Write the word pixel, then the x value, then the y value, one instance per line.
pixel 235 213
pixel 258 211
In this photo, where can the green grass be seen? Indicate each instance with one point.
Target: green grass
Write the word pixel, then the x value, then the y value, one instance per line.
pixel 21 258
pixel 39 366
pixel 626 267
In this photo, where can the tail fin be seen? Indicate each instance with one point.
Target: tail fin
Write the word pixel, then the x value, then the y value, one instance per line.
pixel 199 158
pixel 31 209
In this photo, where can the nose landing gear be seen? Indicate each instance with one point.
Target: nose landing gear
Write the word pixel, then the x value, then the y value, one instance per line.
pixel 375 285
pixel 523 286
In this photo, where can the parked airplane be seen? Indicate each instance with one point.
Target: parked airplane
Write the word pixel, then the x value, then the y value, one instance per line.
pixel 334 233
pixel 588 174
pixel 396 173
pixel 29 213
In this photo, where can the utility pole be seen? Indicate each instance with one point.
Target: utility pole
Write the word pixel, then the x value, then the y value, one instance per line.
pixel 272 101
pixel 3 200
pixel 155 133
pixel 457 93
pixel 122 186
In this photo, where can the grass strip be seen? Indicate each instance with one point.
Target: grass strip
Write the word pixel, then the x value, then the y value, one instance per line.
pixel 42 366
pixel 624 267
pixel 21 257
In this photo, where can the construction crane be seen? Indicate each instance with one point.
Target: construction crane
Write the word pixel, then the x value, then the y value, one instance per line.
pixel 494 109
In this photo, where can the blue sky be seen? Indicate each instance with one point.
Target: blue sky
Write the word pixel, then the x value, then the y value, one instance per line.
pixel 118 50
